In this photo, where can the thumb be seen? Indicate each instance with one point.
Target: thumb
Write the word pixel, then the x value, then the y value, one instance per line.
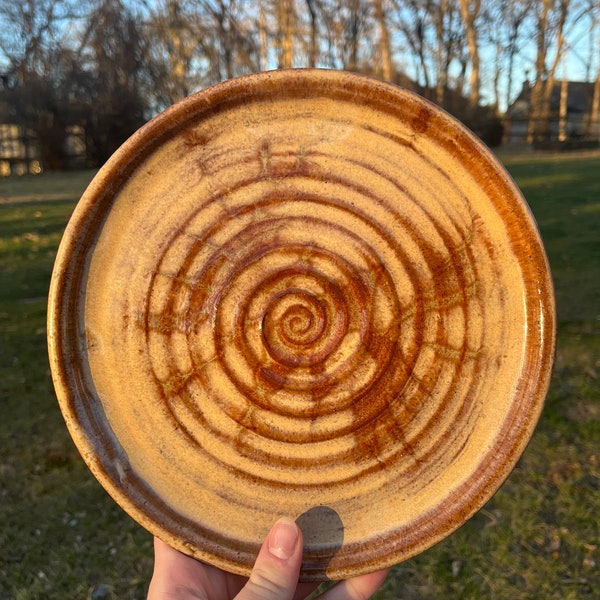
pixel 275 573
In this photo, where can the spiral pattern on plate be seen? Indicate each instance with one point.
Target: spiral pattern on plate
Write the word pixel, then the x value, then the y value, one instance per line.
pixel 297 299
pixel 303 327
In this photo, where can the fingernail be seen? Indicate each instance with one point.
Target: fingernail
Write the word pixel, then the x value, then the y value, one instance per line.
pixel 283 538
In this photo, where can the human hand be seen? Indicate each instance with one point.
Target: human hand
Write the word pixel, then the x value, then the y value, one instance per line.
pixel 274 576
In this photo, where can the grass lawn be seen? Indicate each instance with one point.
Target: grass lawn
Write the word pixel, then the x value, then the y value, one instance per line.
pixel 61 536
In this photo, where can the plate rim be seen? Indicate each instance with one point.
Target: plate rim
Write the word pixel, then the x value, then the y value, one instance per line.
pixel 70 269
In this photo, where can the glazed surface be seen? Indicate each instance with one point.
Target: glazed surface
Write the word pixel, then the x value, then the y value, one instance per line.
pixel 306 294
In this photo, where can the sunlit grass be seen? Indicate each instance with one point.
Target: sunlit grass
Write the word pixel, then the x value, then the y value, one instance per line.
pixel 63 537
pixel 539 537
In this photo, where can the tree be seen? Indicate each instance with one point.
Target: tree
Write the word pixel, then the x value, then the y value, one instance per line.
pixel 413 18
pixel 38 64
pixel 508 39
pixel 114 54
pixel 227 38
pixel 434 32
pixel 313 46
pixel 29 33
pixel 385 51
pixel 470 10
pixel 108 65
pixel 354 27
pixel 174 56
pixel 552 20
pixel 286 28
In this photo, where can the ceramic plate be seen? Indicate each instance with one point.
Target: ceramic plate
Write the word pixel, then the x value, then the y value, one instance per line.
pixel 302 293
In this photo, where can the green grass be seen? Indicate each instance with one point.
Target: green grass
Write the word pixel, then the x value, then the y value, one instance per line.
pixel 61 536
pixel 539 535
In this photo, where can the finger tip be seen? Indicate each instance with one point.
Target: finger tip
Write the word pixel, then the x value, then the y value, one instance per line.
pixel 284 538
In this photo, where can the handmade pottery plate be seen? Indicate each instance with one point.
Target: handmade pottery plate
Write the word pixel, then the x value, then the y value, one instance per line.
pixel 304 293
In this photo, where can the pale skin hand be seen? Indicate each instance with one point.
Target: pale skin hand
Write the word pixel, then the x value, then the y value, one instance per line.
pixel 274 576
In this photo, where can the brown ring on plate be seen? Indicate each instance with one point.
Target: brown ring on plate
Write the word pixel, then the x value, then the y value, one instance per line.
pixel 304 293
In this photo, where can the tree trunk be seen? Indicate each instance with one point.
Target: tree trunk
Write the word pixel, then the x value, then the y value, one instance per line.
pixel 562 113
pixel 594 128
pixel 262 30
pixel 469 10
pixel 440 54
pixel 539 125
pixel 536 99
pixel 286 18
pixel 313 50
pixel 384 41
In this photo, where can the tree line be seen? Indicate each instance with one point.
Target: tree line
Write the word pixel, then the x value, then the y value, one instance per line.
pixel 104 67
